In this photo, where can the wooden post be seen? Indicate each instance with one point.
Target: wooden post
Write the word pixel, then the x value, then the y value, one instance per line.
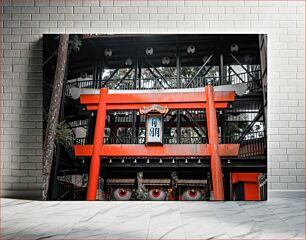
pixel 212 127
pixel 97 146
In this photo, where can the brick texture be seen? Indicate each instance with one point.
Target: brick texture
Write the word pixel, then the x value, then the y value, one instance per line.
pixel 24 22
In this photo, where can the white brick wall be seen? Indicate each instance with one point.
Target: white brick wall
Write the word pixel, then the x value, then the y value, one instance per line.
pixel 24 22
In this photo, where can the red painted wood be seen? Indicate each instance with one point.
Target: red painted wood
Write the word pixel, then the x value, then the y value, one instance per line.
pixel 250 183
pixel 97 146
pixel 166 150
pixel 251 191
pixel 157 98
pixel 137 106
pixel 215 162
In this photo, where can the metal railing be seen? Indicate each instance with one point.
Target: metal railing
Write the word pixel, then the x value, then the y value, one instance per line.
pixel 253 144
pixel 199 82
pixel 142 140
pixel 78 84
pixel 185 140
pixel 243 77
pixel 263 186
pixel 252 147
pixel 81 141
pixel 254 83
pixel 249 136
pixel 124 140
pixel 78 123
pixel 64 190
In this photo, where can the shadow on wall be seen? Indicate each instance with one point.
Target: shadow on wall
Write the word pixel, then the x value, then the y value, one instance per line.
pixel 28 157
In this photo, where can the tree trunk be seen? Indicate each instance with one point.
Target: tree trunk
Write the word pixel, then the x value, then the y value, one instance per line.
pixel 53 114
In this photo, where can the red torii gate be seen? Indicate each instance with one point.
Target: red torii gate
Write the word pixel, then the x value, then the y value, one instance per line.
pixel 209 99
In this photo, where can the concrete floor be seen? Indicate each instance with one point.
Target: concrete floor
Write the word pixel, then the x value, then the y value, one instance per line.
pixel 278 218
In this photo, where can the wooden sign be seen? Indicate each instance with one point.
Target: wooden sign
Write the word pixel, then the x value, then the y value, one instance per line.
pixel 154 128
pixel 154 108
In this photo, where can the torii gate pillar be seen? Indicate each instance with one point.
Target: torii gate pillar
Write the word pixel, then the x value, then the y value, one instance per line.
pixel 97 146
pixel 212 128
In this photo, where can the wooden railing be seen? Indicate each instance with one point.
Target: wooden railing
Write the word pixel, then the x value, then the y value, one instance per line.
pixel 253 144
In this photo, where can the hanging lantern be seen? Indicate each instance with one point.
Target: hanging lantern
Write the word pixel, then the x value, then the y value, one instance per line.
pixel 191 49
pixel 234 48
pixel 165 60
pixel 108 52
pixel 149 51
pixel 205 58
pixel 128 62
pixel 83 75
pixel 248 58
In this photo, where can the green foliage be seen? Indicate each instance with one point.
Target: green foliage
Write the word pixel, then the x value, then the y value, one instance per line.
pixel 64 135
pixel 75 43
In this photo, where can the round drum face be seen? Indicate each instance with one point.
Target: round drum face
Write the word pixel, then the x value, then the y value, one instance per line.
pixel 157 194
pixel 122 194
pixel 149 51
pixel 191 195
pixel 108 52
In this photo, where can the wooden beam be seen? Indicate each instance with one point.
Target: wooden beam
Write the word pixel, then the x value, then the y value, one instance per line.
pixel 158 98
pixel 166 150
pixel 175 106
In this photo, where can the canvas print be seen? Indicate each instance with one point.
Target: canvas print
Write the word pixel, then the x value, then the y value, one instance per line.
pixel 155 117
